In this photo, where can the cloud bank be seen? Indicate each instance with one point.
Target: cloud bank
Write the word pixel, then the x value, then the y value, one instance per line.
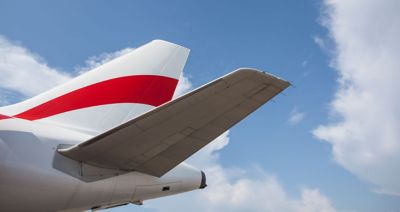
pixel 237 189
pixel 230 189
pixel 366 139
pixel 25 72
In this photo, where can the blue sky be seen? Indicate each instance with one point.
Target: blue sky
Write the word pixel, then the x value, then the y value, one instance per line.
pixel 304 42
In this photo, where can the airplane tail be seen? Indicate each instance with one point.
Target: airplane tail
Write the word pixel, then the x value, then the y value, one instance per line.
pixel 110 94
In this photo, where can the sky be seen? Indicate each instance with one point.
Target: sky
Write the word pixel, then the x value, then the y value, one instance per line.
pixel 329 143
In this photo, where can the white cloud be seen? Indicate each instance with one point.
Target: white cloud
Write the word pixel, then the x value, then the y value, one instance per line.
pixel 366 140
pixel 230 189
pixel 98 60
pixel 25 72
pixel 184 85
pixel 295 116
pixel 236 189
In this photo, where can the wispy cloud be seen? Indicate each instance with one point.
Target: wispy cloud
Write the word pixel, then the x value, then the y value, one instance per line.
pixel 320 42
pixel 367 139
pixel 304 63
pixel 98 60
pixel 295 116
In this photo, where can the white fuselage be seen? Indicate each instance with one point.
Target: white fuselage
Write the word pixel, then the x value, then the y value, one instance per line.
pixel 29 180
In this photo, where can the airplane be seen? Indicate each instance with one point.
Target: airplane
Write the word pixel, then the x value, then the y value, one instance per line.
pixel 114 136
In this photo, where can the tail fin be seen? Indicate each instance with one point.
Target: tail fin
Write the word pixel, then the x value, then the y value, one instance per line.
pixel 112 93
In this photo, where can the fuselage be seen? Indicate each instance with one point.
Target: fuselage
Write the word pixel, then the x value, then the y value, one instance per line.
pixel 29 180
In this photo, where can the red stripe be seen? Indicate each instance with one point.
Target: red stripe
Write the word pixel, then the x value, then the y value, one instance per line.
pixel 144 89
pixel 4 117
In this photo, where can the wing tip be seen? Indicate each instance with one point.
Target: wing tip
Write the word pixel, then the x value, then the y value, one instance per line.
pixel 246 70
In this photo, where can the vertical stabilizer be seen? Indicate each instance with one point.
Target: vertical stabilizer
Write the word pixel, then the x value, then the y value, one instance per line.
pixel 109 94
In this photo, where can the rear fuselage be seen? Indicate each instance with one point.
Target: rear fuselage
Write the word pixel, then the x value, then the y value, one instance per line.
pixel 29 180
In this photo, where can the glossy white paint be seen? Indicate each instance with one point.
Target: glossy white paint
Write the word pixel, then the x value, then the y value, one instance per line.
pixel 29 182
pixel 158 58
pixel 30 175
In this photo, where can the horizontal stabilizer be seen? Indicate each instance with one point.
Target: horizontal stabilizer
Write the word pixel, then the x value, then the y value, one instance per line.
pixel 159 140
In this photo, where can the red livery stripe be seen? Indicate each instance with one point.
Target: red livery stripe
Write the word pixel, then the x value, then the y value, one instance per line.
pixel 4 117
pixel 145 89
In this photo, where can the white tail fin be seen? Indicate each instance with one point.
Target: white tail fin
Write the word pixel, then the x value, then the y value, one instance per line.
pixel 112 93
